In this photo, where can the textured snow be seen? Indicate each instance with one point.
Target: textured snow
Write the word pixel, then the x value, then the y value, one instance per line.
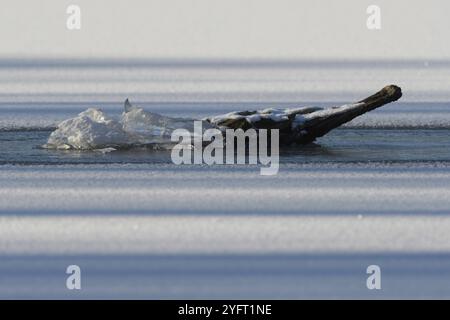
pixel 207 82
pixel 163 231
pixel 157 189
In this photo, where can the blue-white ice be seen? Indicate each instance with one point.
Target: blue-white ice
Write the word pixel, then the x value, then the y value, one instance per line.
pixel 159 231
pixel 374 193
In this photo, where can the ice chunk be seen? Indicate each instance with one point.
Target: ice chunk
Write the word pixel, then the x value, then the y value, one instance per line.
pixel 147 127
pixel 91 129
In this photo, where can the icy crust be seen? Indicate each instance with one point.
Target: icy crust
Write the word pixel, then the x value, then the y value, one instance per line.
pixel 252 117
pixel 91 129
pixel 94 130
pixel 296 117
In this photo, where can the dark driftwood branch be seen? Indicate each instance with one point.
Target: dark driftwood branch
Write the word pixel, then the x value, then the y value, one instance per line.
pixel 306 124
pixel 319 126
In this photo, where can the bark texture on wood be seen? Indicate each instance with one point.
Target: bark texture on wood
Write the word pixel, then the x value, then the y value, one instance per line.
pixel 307 124
pixel 319 126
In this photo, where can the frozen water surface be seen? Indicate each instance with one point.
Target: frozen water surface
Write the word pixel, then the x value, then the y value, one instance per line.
pixel 374 192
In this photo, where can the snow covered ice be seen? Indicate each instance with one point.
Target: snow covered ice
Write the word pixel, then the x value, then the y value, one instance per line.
pixel 160 231
pixel 373 192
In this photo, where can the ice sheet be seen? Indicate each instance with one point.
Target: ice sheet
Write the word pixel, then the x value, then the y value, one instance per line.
pixel 190 232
